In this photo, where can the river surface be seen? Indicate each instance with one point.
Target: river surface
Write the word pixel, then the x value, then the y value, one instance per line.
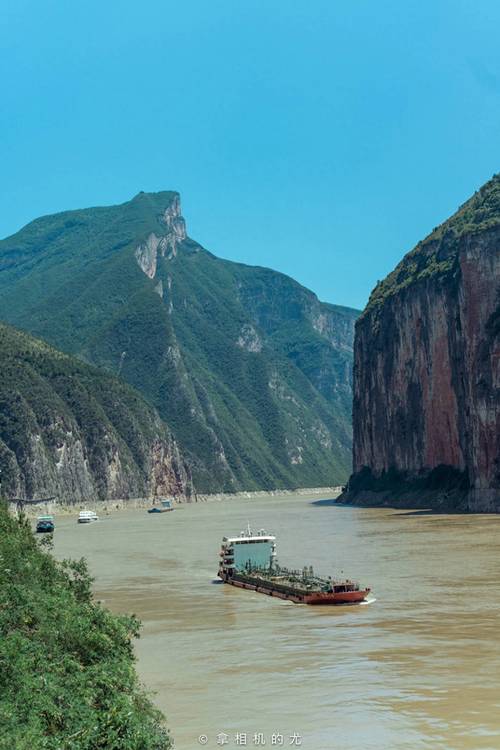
pixel 417 668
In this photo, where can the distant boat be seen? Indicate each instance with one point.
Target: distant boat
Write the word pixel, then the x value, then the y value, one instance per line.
pixel 164 507
pixel 87 516
pixel 45 524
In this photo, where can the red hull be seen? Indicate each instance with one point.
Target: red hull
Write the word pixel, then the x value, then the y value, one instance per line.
pixel 345 597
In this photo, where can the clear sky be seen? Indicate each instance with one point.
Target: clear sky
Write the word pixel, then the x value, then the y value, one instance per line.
pixel 320 138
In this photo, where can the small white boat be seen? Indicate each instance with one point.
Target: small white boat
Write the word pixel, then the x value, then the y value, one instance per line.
pixel 87 516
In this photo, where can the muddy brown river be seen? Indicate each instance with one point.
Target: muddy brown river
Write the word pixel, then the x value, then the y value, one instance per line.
pixel 417 668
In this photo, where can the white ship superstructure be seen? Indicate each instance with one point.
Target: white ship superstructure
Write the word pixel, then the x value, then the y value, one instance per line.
pixel 248 550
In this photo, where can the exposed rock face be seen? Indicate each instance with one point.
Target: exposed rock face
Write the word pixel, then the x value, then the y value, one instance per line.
pixel 77 434
pixel 250 372
pixel 249 339
pixel 427 370
pixel 148 252
pixel 175 224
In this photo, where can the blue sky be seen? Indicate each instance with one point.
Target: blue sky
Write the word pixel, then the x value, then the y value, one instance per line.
pixel 323 139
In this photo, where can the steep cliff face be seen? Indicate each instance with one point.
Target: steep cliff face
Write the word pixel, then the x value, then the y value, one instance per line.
pixel 427 370
pixel 250 371
pixel 70 431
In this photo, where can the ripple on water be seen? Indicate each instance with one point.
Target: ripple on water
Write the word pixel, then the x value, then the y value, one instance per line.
pixel 418 668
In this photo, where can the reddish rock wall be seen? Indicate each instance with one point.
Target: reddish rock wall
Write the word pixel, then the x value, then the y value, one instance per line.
pixel 427 379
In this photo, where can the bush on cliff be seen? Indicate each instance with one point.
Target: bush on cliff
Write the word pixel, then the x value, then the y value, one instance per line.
pixel 67 677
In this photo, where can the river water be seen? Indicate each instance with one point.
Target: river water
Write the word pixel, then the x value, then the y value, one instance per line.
pixel 417 668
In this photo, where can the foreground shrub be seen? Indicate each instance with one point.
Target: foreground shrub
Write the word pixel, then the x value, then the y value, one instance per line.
pixel 67 677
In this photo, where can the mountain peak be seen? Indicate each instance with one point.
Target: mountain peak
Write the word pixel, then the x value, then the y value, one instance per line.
pixel 249 370
pixel 480 212
pixel 435 254
pixel 161 197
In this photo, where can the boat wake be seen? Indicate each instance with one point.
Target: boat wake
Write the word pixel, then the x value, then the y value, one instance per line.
pixel 371 600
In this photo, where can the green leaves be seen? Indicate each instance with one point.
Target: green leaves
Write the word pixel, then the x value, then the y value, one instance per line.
pixel 436 255
pixel 53 406
pixel 67 677
pixel 250 372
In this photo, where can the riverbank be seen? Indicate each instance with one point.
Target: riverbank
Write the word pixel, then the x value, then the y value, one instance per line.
pixel 106 507
pixel 68 676
pixel 439 500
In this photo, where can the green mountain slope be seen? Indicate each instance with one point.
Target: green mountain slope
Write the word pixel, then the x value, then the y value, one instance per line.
pixel 434 256
pixel 70 431
pixel 249 370
pixel 67 677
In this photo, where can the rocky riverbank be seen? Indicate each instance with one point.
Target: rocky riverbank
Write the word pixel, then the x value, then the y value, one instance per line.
pixel 107 507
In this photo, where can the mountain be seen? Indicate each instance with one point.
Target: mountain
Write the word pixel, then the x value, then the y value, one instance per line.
pixel 70 431
pixel 250 371
pixel 427 370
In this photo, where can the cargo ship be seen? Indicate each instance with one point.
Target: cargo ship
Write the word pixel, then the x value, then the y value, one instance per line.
pixel 248 561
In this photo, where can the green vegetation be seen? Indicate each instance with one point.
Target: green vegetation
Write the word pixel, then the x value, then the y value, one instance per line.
pixel 67 677
pixel 435 257
pixel 247 368
pixel 54 408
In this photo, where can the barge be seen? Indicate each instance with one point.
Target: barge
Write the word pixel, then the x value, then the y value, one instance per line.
pixel 164 507
pixel 248 561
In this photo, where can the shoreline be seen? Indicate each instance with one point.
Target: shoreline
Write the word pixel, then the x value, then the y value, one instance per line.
pixel 439 500
pixel 106 507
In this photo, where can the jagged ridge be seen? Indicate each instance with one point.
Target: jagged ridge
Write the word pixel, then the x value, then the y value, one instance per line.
pixel 250 371
pixel 434 255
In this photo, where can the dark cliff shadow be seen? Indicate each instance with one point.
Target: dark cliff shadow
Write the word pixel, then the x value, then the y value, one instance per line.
pixel 424 512
pixel 332 501
pixel 385 506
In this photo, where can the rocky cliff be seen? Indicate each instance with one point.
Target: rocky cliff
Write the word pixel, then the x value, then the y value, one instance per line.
pixel 427 370
pixel 70 431
pixel 249 370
